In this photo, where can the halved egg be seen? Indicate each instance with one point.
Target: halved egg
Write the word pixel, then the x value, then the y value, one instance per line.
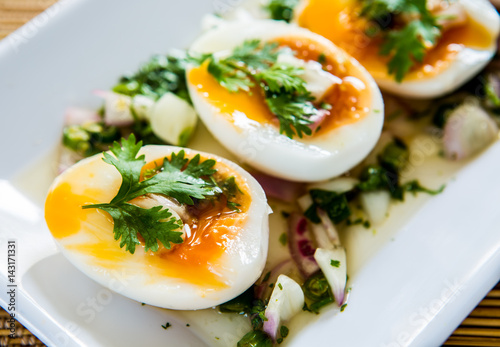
pixel 223 253
pixel 243 123
pixel 468 42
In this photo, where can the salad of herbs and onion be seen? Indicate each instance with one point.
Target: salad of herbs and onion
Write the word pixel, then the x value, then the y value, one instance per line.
pixel 462 124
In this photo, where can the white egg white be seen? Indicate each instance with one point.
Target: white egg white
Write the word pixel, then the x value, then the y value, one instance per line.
pixel 313 158
pixel 240 265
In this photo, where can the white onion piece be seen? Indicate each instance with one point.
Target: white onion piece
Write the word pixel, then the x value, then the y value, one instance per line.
pixel 263 290
pixel 338 185
pixel 286 301
pixel 335 275
pixel 305 202
pixel 376 205
pixel 116 108
pixel 172 119
pixel 78 116
pixel 468 130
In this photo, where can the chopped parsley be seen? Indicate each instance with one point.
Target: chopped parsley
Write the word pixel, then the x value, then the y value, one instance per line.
pixel 283 239
pixel 179 178
pixel 161 74
pixel 406 44
pixel 280 286
pixel 334 263
pixel 281 9
pixel 166 326
pixel 253 65
pixel 335 205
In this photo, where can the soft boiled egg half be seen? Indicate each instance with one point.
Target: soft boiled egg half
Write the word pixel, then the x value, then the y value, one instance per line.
pixel 223 253
pixel 467 43
pixel 344 131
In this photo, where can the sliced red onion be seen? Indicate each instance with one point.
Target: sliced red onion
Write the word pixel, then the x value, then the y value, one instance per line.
pixel 78 116
pixel 333 264
pixel 278 188
pixel 301 245
pixel 286 301
pixel 262 290
pixel 468 130
pixel 329 229
pixel 318 119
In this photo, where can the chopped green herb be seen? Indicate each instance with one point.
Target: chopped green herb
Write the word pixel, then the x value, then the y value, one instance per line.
pixel 166 326
pixel 280 286
pixel 395 156
pixel 281 9
pixel 405 45
pixel 161 74
pixel 285 214
pixel 231 190
pixel 255 338
pixel 242 304
pixel 283 239
pixel 335 205
pixel 316 287
pixel 335 263
pixel 322 58
pixel 284 331
pixel 343 307
pixel 266 277
pixel 254 64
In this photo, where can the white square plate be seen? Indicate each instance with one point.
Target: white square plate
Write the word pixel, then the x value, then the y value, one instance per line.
pixel 413 292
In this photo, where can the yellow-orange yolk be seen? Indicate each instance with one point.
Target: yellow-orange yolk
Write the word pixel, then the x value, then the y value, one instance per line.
pixel 349 101
pixel 197 260
pixel 339 21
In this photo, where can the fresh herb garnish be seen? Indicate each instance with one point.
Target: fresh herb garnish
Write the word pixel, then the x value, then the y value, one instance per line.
pixel 335 205
pixel 283 239
pixel 161 74
pixel 281 9
pixel 407 44
pixel 179 178
pixel 255 65
pixel 334 263
pixel 231 190
pixel 386 175
pixel 166 326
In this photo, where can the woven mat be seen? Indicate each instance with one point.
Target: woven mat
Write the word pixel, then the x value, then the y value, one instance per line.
pixel 481 328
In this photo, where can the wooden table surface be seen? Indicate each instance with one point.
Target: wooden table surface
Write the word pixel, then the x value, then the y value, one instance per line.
pixel 480 328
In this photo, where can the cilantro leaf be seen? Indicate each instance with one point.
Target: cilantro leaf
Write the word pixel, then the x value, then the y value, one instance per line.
pixel 151 224
pixel 283 76
pixel 179 178
pixel 293 112
pixel 183 185
pixel 229 76
pixel 284 90
pixel 408 44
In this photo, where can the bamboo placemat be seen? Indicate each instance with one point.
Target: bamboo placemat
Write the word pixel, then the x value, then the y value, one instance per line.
pixel 481 328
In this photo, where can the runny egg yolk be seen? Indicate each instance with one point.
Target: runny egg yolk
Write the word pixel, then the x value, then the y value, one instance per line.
pixel 197 260
pixel 350 100
pixel 339 21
